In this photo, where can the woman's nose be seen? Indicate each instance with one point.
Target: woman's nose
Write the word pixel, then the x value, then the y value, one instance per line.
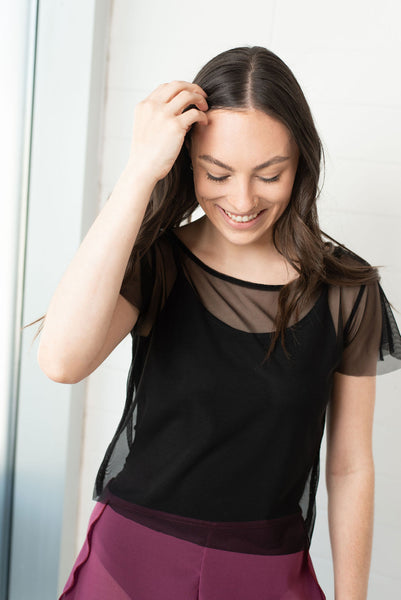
pixel 242 199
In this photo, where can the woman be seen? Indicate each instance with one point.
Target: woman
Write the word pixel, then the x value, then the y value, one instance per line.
pixel 247 331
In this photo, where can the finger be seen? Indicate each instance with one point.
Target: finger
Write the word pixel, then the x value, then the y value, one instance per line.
pixel 166 91
pixel 185 98
pixel 189 117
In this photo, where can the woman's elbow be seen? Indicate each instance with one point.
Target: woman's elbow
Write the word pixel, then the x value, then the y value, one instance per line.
pixel 56 370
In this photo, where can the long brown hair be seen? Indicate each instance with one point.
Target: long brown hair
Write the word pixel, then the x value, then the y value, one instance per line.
pixel 254 77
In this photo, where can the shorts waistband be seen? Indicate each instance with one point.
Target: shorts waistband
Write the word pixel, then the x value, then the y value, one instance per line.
pixel 281 535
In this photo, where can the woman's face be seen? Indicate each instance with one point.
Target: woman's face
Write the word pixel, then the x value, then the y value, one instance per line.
pixel 244 166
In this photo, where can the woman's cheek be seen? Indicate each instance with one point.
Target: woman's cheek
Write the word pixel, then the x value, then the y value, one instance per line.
pixel 205 190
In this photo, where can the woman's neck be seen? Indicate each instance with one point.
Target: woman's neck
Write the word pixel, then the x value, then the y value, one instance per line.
pixel 259 262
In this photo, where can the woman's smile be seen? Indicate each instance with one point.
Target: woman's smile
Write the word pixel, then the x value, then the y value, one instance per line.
pixel 241 221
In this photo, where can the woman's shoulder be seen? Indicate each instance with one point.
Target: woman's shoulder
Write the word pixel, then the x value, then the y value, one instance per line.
pixel 350 270
pixel 348 256
pixel 354 287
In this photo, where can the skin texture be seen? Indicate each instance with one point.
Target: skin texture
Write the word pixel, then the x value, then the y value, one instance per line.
pixel 247 252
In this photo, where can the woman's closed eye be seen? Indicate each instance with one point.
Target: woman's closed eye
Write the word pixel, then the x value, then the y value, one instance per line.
pixel 221 179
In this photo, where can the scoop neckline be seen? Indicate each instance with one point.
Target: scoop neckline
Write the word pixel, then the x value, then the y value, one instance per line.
pixel 219 274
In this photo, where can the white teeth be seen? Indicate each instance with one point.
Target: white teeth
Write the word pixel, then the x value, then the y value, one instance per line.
pixel 239 219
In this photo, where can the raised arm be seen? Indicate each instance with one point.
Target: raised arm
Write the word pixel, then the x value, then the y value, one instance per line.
pixel 87 317
pixel 79 316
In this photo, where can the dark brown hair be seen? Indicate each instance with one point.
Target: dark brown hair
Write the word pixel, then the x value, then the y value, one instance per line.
pixel 254 77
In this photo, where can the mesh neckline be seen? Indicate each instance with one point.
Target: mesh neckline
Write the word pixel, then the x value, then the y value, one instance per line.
pixel 261 334
pixel 224 276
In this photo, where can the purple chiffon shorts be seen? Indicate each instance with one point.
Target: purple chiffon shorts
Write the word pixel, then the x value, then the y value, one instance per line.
pixel 126 559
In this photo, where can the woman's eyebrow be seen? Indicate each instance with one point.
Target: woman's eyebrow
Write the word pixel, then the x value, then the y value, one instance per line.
pixel 271 161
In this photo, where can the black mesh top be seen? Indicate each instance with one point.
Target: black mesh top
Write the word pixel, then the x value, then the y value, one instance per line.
pixel 209 430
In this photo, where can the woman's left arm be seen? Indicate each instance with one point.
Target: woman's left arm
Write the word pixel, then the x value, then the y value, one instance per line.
pixel 350 478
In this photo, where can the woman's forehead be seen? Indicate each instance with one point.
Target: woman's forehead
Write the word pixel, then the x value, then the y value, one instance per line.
pixel 229 131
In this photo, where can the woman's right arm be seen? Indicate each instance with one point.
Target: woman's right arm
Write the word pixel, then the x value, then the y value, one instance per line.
pixel 86 309
pixel 87 317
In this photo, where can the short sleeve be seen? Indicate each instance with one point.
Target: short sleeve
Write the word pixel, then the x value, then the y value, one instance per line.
pixel 138 282
pixel 147 283
pixel 371 337
pixel 138 287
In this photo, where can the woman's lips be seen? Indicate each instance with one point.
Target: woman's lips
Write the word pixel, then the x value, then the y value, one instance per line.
pixel 241 224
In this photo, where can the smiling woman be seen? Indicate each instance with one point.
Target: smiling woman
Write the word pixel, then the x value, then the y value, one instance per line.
pixel 250 198
pixel 246 327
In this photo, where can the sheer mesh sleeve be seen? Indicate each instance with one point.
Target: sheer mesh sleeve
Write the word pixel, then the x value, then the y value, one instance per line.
pixel 147 284
pixel 135 280
pixel 371 338
pixel 138 287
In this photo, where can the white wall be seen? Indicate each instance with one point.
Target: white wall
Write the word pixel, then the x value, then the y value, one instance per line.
pixel 346 57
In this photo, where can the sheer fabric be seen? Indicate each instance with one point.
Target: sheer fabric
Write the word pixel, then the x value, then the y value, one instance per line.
pixel 361 315
pixel 207 431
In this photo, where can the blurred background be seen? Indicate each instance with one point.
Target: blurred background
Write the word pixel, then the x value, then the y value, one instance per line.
pixel 71 74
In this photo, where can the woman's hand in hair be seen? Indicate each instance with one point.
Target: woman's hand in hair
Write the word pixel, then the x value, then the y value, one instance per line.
pixel 160 126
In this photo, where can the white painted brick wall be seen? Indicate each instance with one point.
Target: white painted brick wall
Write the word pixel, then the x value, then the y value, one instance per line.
pixel 346 57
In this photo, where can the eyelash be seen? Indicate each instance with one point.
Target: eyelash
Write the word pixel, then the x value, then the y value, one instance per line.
pixel 221 179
